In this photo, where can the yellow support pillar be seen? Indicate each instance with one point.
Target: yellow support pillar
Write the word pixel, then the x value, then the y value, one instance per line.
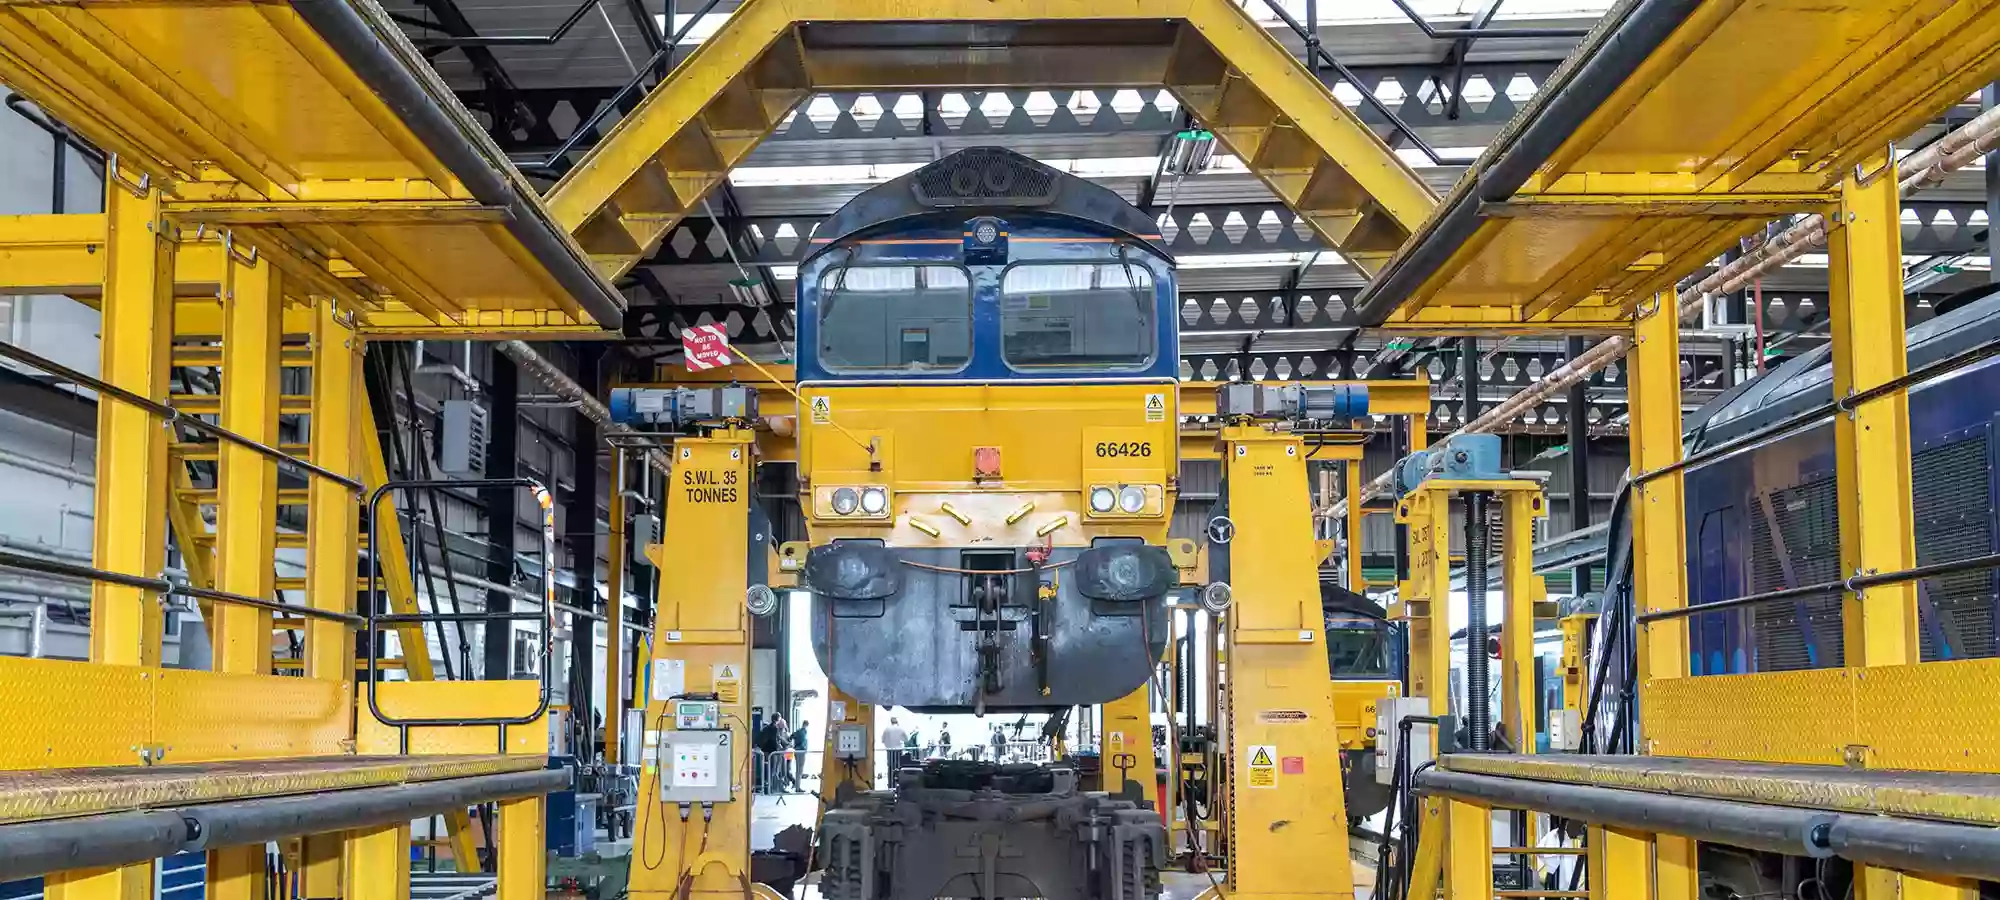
pixel 1872 440
pixel 332 525
pixel 378 863
pixel 1523 589
pixel 1658 514
pixel 133 882
pixel 1427 861
pixel 1284 780
pixel 132 468
pixel 522 855
pixel 1468 862
pixel 236 873
pixel 1426 515
pixel 702 632
pixel 1675 872
pixel 320 867
pixel 1917 886
pixel 1621 864
pixel 1128 745
pixel 246 521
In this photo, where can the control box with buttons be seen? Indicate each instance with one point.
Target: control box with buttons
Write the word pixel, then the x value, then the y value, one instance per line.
pixel 696 767
pixel 697 715
pixel 850 742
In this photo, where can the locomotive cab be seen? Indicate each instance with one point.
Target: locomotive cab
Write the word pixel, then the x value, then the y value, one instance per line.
pixel 988 439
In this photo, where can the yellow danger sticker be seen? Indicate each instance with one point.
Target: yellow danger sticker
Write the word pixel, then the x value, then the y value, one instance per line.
pixel 728 682
pixel 1262 761
pixel 1156 407
pixel 822 410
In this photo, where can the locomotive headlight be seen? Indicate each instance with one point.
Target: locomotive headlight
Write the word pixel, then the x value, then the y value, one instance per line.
pixel 1102 498
pixel 1131 498
pixel 874 500
pixel 986 232
pixel 845 500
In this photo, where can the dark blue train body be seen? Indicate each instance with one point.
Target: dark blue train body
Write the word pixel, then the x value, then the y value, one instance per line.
pixel 1766 519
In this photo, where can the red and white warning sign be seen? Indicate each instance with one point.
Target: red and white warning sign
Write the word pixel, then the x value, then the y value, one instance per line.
pixel 706 346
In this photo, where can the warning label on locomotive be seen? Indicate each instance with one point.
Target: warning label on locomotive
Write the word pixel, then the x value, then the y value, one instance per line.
pixel 822 410
pixel 1263 764
pixel 1156 407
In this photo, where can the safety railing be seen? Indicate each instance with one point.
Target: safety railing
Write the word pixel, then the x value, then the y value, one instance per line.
pixel 546 615
pixel 173 416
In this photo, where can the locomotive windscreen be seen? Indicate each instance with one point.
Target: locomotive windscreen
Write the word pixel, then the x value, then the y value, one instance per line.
pixel 905 318
pixel 1077 315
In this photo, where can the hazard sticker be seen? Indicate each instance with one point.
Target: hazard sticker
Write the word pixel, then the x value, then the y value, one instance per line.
pixel 1156 407
pixel 728 682
pixel 1292 765
pixel 1263 764
pixel 822 410
pixel 705 347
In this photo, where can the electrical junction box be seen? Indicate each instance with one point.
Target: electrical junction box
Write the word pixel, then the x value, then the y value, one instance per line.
pixel 697 715
pixel 696 767
pixel 461 440
pixel 1389 712
pixel 850 742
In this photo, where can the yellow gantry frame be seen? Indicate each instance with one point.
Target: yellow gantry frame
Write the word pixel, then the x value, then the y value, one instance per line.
pixel 1884 708
pixel 1747 111
pixel 253 127
pixel 734 90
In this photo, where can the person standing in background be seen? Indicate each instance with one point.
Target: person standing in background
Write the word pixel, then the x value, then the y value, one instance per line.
pixel 999 742
pixel 893 738
pixel 799 757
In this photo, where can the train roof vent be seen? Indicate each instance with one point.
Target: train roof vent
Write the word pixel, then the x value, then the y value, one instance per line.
pixel 986 176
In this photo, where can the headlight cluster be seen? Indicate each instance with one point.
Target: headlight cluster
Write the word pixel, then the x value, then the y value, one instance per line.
pixel 1125 499
pixel 869 501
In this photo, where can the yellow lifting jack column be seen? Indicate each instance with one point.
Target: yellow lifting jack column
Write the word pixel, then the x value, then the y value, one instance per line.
pixel 1283 751
pixel 701 652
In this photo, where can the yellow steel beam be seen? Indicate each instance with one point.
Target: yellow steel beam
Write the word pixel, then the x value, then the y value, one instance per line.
pixel 247 511
pixel 522 854
pixel 377 863
pixel 320 865
pixel 1351 476
pixel 338 212
pixel 1284 778
pixel 657 164
pixel 132 466
pixel 133 882
pixel 1524 589
pixel 1872 441
pixel 1658 517
pixel 1468 862
pixel 1676 869
pixel 1621 863
pixel 1422 598
pixel 389 551
pixel 236 873
pixel 332 526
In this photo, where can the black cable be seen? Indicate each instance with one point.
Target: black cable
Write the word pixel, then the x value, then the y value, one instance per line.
pixel 421 469
pixel 402 468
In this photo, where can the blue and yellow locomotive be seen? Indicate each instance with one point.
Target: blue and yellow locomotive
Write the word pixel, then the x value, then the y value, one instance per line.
pixel 988 438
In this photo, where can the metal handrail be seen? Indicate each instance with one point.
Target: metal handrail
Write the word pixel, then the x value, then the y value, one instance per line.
pixel 1857 583
pixel 165 585
pixel 172 415
pixel 546 616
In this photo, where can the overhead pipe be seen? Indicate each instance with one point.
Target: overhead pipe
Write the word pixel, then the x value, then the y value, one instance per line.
pixel 1922 169
pixel 555 379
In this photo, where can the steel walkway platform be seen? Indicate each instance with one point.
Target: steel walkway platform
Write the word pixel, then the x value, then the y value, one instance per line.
pixel 62 793
pixel 1678 127
pixel 1942 796
pixel 311 134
